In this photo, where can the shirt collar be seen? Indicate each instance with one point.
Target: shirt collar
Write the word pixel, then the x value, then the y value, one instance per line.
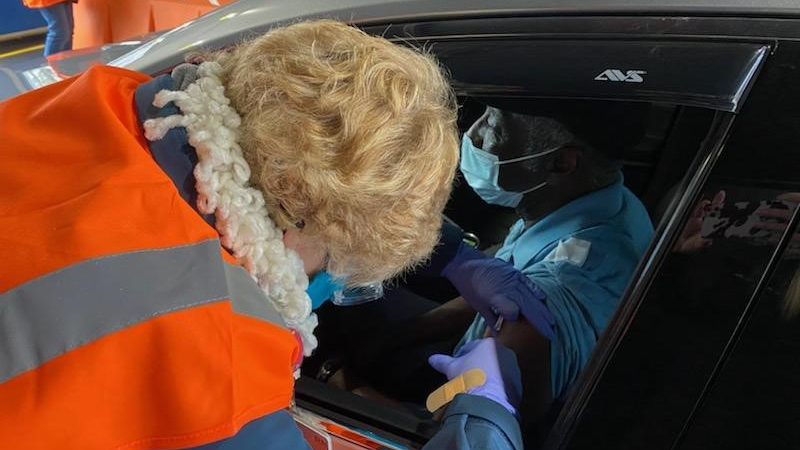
pixel 172 152
pixel 584 212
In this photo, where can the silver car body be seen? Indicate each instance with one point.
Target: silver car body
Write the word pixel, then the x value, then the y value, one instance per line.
pixel 232 23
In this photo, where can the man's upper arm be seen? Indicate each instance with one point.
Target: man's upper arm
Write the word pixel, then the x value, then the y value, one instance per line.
pixel 533 355
pixel 533 350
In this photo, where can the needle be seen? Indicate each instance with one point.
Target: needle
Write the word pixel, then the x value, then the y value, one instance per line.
pixel 499 324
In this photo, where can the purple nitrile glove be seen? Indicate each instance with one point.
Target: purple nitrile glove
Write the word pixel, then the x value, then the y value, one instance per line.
pixel 499 363
pixel 451 249
pixel 496 288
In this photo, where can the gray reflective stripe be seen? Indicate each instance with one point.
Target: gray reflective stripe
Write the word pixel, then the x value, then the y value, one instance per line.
pixel 51 315
pixel 248 298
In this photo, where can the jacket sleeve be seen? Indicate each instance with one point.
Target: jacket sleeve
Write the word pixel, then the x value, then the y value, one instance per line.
pixel 476 423
pixel 274 431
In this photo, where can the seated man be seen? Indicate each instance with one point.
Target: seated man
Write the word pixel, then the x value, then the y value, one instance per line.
pixel 581 233
pixel 569 257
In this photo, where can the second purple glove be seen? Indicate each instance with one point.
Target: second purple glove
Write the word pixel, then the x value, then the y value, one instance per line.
pixel 499 363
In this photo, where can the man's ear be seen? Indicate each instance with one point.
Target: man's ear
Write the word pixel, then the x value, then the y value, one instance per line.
pixel 566 160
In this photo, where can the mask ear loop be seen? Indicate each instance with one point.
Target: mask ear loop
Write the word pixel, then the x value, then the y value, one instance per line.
pixel 327 263
pixel 535 188
pixel 527 157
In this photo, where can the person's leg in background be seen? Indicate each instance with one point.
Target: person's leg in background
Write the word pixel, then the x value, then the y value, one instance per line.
pixel 60 25
pixel 71 18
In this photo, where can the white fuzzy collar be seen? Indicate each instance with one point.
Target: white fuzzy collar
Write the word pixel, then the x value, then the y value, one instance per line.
pixel 242 219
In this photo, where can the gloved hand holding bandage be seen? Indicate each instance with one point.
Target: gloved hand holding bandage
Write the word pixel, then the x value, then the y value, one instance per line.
pixel 499 364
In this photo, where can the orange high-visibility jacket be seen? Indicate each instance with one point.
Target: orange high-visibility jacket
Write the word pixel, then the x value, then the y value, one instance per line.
pixel 42 3
pixel 123 323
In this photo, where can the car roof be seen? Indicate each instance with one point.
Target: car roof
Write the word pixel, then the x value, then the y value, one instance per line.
pixel 229 24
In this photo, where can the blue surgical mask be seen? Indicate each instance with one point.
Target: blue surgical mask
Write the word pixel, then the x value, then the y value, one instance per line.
pixel 482 171
pixel 321 288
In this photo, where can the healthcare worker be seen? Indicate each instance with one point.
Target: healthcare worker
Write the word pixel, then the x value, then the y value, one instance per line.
pixel 159 235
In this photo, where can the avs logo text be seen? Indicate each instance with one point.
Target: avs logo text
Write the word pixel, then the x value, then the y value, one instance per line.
pixel 628 76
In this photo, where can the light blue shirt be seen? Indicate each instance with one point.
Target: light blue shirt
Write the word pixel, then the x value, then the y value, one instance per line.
pixel 582 256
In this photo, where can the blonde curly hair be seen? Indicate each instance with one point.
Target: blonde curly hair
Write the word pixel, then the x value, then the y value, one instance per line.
pixel 349 137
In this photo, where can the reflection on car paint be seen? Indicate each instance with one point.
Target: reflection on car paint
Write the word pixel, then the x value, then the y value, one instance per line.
pixel 41 76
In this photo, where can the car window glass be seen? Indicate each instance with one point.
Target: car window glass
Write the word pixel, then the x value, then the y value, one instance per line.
pixel 761 369
pixel 693 306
